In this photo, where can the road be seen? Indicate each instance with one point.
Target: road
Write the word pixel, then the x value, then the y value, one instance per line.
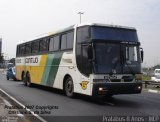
pixel 144 104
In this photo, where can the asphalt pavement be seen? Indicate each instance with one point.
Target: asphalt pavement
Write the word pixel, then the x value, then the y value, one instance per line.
pixel 52 104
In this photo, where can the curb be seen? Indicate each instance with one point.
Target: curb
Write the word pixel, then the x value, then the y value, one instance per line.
pixel 34 117
pixel 152 91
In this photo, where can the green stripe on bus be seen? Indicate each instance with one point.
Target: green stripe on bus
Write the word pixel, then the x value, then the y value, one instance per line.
pixel 51 69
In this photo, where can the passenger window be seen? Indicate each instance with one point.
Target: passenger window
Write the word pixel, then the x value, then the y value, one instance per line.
pixel 44 45
pixel 17 53
pixel 67 40
pixel 56 43
pixel 35 47
pixel 51 44
pixel 70 40
pixel 22 49
pixel 64 42
pixel 28 48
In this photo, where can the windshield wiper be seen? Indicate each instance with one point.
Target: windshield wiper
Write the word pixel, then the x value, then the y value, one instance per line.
pixel 114 67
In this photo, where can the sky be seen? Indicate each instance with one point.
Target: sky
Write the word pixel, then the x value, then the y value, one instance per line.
pixel 21 20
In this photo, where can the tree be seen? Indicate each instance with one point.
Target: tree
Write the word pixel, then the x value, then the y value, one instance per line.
pixel 156 67
pixel 12 61
pixel 1 58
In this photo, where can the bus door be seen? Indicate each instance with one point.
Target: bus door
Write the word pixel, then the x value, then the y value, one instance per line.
pixel 86 69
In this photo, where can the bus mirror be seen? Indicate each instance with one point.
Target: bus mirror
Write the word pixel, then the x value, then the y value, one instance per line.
pixel 142 54
pixel 90 52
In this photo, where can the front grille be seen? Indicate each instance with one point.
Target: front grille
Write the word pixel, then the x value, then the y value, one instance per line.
pixel 127 78
pixel 124 79
pixel 115 80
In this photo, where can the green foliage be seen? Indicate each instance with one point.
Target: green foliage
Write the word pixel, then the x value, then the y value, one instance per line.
pixel 145 78
pixel 12 61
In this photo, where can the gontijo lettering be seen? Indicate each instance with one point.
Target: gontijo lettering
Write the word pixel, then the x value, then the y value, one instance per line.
pixel 31 60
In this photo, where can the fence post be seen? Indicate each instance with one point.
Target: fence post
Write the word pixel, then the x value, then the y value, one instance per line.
pixel 146 82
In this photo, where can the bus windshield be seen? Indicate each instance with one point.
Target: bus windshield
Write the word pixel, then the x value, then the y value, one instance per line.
pixel 116 58
pixel 116 50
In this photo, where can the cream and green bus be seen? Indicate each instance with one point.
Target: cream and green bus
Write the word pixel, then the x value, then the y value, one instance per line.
pixel 90 59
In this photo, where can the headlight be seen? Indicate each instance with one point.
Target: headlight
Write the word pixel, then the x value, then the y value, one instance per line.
pixel 14 73
pixel 100 89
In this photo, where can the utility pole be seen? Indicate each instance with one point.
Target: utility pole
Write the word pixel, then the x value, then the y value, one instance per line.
pixel 80 13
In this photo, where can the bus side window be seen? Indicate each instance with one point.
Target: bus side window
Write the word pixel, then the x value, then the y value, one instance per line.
pixel 51 44
pixel 21 49
pixel 70 38
pixel 67 40
pixel 44 45
pixel 56 43
pixel 35 47
pixel 17 52
pixel 64 42
pixel 28 48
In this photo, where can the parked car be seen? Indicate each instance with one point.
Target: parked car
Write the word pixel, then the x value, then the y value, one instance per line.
pixel 11 73
pixel 156 77
pixel 9 65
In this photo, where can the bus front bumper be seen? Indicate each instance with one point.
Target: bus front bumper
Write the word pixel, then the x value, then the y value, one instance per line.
pixel 102 89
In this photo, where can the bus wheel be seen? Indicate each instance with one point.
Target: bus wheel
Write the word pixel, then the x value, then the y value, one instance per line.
pixel 69 87
pixel 109 96
pixel 24 79
pixel 7 78
pixel 28 80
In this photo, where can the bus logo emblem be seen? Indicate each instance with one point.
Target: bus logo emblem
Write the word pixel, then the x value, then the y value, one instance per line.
pixel 84 85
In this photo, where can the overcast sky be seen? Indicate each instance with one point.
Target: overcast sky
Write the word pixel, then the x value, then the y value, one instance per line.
pixel 21 20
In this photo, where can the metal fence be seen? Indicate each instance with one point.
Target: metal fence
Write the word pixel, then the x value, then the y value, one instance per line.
pixel 147 83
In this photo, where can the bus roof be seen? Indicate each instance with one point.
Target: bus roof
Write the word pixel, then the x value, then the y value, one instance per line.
pixel 105 25
pixel 75 26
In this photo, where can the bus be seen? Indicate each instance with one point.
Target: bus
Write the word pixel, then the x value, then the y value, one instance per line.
pixel 90 59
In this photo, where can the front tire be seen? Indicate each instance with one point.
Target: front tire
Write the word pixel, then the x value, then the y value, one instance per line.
pixel 69 87
pixel 24 79
pixel 28 80
pixel 14 79
pixel 109 96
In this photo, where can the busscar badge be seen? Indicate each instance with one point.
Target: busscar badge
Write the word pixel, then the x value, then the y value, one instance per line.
pixel 84 85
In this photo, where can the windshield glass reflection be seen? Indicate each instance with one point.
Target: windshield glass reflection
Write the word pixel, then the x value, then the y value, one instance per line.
pixel 115 58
